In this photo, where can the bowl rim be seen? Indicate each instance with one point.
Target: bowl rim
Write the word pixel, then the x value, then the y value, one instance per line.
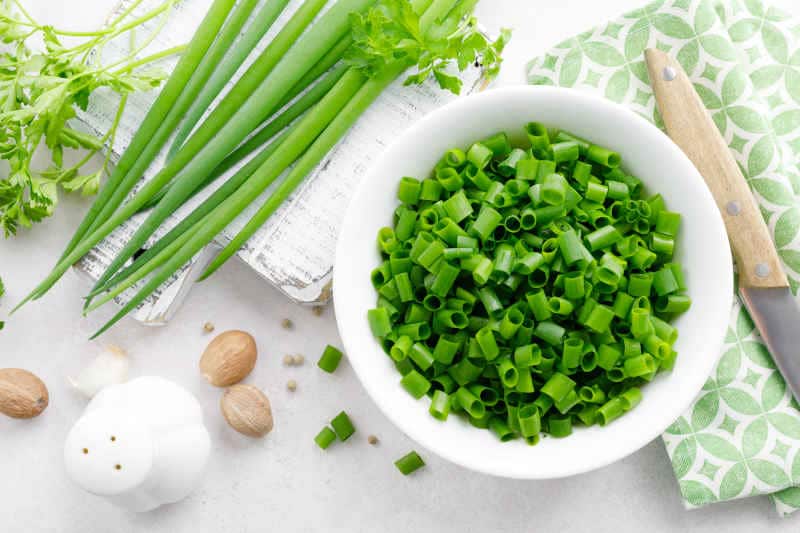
pixel 407 424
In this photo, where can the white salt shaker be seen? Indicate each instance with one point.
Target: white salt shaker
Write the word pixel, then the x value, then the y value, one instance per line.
pixel 140 444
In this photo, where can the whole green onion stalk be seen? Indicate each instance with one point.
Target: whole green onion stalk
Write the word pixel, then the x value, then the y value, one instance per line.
pixel 167 124
pixel 137 151
pixel 220 141
pixel 216 198
pixel 326 141
pixel 225 69
pixel 269 129
pixel 360 102
pixel 242 90
pixel 245 106
pixel 310 126
pixel 233 120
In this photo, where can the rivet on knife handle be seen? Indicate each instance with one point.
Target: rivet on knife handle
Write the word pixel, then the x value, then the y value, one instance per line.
pixel 691 128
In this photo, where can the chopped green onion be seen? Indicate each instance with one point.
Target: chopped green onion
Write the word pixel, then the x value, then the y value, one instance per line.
pixel 325 438
pixel 409 463
pixel 343 427
pixel 329 361
pixel 542 287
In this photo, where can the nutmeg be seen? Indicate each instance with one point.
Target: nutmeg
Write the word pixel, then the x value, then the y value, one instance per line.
pixel 229 358
pixel 22 395
pixel 247 410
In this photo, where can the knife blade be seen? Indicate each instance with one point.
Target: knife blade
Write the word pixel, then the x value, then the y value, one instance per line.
pixel 763 285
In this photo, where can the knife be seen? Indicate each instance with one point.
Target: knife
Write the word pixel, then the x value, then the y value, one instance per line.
pixel 763 286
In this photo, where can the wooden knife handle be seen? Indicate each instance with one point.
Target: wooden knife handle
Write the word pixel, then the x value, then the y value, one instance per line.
pixel 691 128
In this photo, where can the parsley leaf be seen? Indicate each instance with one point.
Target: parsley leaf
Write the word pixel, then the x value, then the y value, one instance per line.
pixel 39 94
pixel 391 31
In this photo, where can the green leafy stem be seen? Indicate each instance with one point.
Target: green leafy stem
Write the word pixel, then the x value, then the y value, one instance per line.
pixel 394 31
pixel 40 91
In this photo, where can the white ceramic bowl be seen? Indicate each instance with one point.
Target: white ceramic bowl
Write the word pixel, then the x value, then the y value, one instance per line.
pixel 648 154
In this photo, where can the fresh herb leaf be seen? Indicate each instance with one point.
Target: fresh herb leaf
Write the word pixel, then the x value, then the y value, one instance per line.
pixel 41 92
pixel 391 31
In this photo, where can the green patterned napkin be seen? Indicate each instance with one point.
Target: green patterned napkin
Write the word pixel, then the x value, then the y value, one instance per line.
pixel 742 435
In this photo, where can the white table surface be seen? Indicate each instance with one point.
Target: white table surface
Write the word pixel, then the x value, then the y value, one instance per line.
pixel 284 483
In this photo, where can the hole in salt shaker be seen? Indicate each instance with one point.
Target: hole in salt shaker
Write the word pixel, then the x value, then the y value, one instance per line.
pixel 118 467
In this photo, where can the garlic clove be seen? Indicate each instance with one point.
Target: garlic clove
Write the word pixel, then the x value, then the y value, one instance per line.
pixel 109 368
